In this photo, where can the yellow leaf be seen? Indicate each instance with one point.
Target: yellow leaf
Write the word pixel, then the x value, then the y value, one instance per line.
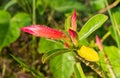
pixel 88 54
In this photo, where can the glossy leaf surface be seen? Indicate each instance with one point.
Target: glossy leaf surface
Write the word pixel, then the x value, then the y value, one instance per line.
pixel 62 66
pixel 45 45
pixel 91 25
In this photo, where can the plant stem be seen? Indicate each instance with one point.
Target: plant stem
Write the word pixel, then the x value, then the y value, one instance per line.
pixel 3 70
pixel 110 6
pixel 116 37
pixel 108 65
pixel 34 22
pixel 34 12
pixel 113 24
pixel 116 25
pixel 93 66
pixel 79 71
pixel 105 36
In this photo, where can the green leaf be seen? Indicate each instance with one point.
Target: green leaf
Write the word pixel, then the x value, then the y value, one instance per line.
pixel 53 53
pixel 36 73
pixel 4 27
pixel 111 30
pixel 116 15
pixel 98 4
pixel 4 17
pixel 78 71
pixel 92 24
pixel 21 19
pixel 115 29
pixel 83 42
pixel 40 6
pixel 113 54
pixel 9 29
pixel 45 45
pixel 10 3
pixel 62 66
pixel 67 23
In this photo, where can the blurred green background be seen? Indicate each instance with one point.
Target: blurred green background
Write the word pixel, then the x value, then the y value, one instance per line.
pixel 15 14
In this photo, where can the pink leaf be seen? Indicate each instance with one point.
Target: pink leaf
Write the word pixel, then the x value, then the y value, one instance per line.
pixel 99 43
pixel 73 21
pixel 43 31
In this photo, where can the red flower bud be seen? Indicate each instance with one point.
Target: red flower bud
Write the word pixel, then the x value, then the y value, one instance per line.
pixel 99 43
pixel 74 37
pixel 43 31
pixel 73 21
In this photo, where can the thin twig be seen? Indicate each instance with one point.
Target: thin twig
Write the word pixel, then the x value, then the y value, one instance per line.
pixel 93 66
pixel 110 6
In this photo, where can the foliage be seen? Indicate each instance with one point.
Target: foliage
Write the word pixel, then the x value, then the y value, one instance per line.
pixel 23 55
